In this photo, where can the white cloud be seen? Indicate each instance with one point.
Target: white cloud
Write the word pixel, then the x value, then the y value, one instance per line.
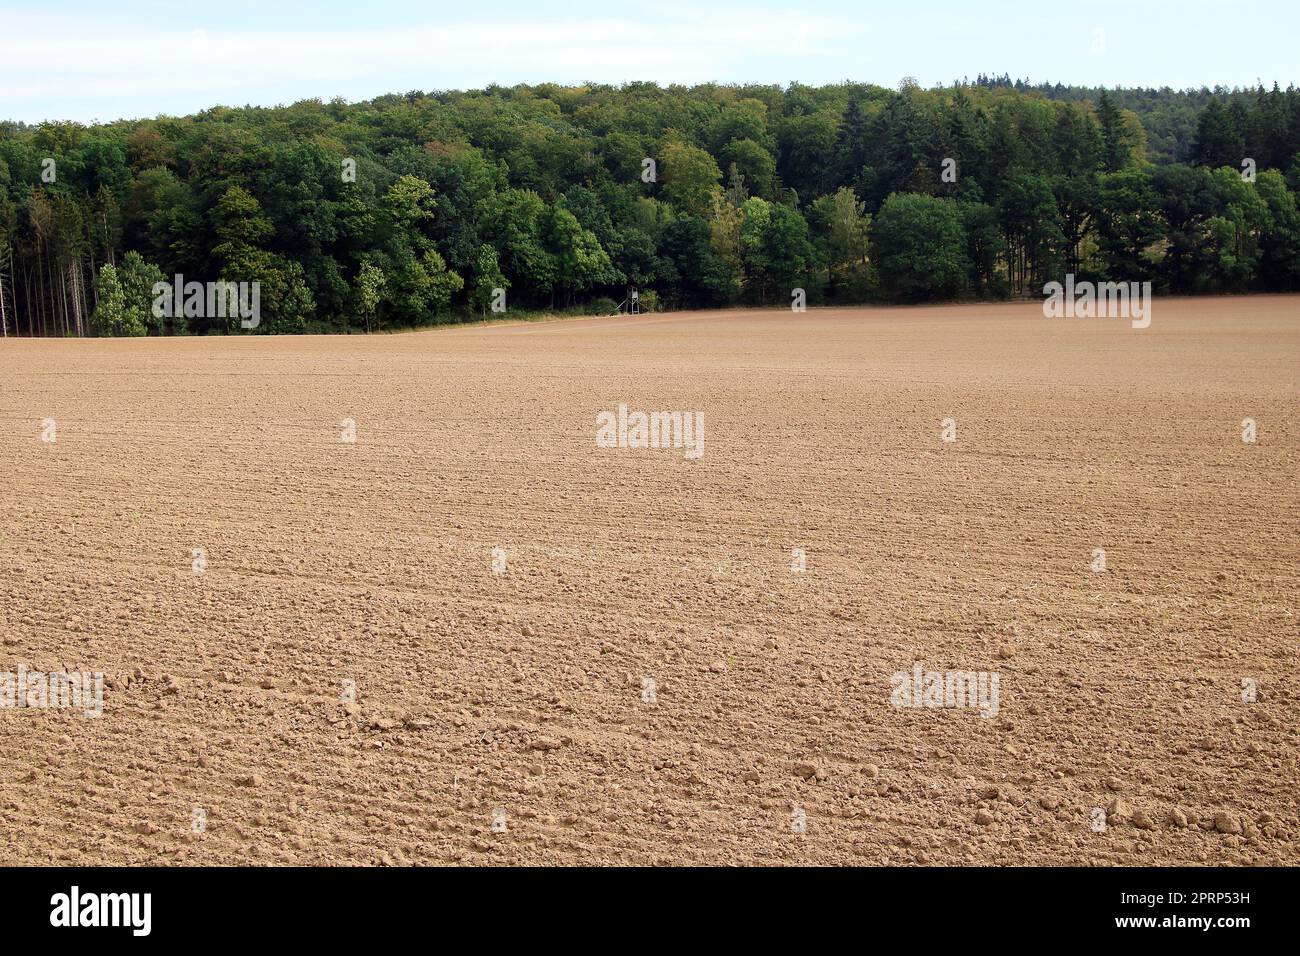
pixel 44 56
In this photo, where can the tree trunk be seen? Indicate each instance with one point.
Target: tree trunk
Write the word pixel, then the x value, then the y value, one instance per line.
pixel 40 291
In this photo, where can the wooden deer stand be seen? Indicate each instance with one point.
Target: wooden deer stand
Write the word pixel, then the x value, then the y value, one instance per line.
pixel 632 303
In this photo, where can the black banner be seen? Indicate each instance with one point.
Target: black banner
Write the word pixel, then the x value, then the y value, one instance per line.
pixel 1222 906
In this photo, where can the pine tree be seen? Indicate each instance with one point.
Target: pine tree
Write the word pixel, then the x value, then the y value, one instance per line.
pixel 1114 134
pixel 1218 141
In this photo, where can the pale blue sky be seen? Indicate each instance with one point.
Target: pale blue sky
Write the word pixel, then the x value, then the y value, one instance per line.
pixel 84 60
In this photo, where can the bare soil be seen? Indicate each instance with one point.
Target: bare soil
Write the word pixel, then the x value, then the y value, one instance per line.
pixel 520 695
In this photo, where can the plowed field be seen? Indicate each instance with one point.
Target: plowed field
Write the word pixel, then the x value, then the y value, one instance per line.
pixel 314 655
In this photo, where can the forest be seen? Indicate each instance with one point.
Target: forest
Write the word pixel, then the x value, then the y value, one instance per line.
pixel 411 210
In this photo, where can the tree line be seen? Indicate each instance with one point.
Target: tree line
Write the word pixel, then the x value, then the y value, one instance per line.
pixel 414 209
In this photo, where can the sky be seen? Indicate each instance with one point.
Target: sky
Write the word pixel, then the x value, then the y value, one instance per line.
pixel 85 61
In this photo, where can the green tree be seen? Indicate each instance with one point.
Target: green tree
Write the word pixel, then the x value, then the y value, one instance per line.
pixel 111 315
pixel 1031 226
pixel 1218 140
pixel 419 284
pixel 1279 246
pixel 1076 199
pixel 920 247
pixel 843 229
pixel 746 158
pixel 1129 225
pixel 514 221
pixel 694 275
pixel 1117 135
pixel 285 302
pixel 488 277
pixel 689 175
pixel 1186 202
pixel 985 248
pixel 726 219
pixel 580 261
pixel 1234 233
pixel 368 291
pixel 137 279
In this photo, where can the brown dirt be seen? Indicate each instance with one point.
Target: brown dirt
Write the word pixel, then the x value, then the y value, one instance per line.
pixel 522 692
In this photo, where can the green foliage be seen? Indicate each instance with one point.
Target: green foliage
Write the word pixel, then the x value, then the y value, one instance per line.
pixel 488 277
pixel 1030 220
pixel 843 234
pixel 369 291
pixel 747 159
pixel 1129 225
pixel 1242 214
pixel 286 302
pixel 580 262
pixel 689 174
pixel 1117 136
pixel 1218 140
pixel 920 247
pixel 847 191
pixel 1279 265
pixel 113 316
pixel 775 248
pixel 694 274
pixel 137 279
pixel 985 248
